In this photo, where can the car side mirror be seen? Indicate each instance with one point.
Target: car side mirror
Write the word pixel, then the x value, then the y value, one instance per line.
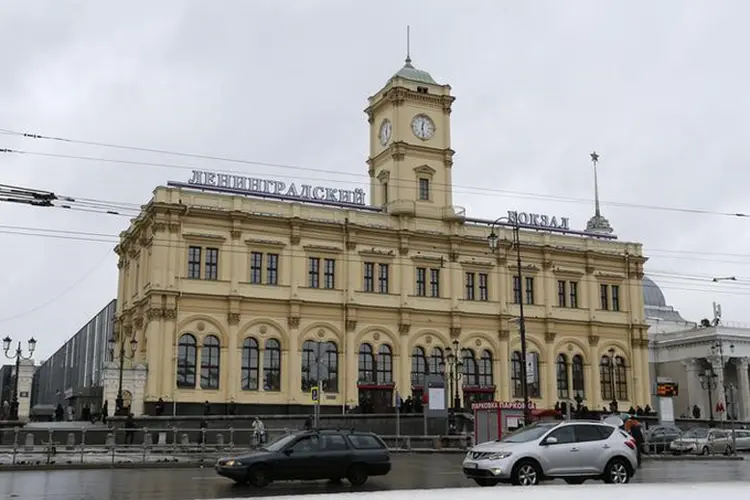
pixel 550 440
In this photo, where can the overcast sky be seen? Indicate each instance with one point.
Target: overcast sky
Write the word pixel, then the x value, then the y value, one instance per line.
pixel 658 89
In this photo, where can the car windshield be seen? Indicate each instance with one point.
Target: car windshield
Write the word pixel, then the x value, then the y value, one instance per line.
pixel 280 443
pixel 696 433
pixel 526 434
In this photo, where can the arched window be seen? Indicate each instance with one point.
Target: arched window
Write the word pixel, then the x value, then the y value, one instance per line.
pixel 621 380
pixel 578 378
pixel 309 358
pixel 563 388
pixel 532 375
pixel 515 374
pixel 186 360
pixel 469 370
pixel 418 367
pixel 485 370
pixel 605 376
pixel 330 359
pixel 210 363
pixel 366 369
pixel 250 364
pixel 385 365
pixel 436 359
pixel 272 366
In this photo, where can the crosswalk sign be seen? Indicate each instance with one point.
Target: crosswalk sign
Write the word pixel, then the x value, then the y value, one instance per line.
pixel 314 393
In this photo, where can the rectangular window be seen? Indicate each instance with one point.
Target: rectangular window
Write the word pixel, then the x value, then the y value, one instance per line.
pixel 212 263
pixel 561 297
pixel 516 290
pixel 434 282
pixel 369 281
pixel 421 281
pixel 604 296
pixel 573 290
pixel 615 297
pixel 256 268
pixel 529 290
pixel 272 269
pixel 469 282
pixel 194 263
pixel 313 272
pixel 329 274
pixel 383 278
pixel 424 189
pixel 484 294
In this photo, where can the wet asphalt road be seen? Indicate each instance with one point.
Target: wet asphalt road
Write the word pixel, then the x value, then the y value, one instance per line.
pixel 409 472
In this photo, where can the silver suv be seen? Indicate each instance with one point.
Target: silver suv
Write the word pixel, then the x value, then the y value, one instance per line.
pixel 574 450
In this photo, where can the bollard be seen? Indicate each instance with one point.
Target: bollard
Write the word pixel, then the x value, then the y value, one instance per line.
pixel 71 443
pixel 220 441
pixel 148 440
pixel 109 441
pixel 184 439
pixel 29 443
pixel 231 437
pixel 162 439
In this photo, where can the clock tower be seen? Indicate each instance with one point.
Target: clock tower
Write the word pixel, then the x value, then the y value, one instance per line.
pixel 410 155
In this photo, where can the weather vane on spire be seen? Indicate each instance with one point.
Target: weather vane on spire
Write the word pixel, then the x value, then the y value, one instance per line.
pixel 408 45
pixel 598 223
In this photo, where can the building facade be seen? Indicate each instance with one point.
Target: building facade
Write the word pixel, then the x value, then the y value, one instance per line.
pixel 251 300
pixel 708 360
pixel 74 375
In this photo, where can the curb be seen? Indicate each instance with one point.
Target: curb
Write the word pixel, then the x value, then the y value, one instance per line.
pixel 693 458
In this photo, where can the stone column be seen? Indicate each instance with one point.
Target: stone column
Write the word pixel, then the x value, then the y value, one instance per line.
pixel 718 394
pixel 694 390
pixel 595 395
pixel 502 377
pixel 743 379
pixel 550 372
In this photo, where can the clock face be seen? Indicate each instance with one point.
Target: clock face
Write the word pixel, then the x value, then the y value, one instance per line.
pixel 385 132
pixel 423 127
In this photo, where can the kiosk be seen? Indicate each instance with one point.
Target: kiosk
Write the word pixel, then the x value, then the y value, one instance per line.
pixel 492 419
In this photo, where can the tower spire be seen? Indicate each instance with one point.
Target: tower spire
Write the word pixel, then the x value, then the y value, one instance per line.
pixel 408 46
pixel 598 223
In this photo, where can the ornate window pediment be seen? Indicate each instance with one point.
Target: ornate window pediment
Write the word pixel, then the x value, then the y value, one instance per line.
pixel 424 171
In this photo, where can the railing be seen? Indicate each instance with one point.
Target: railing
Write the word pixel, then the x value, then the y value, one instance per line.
pixel 110 446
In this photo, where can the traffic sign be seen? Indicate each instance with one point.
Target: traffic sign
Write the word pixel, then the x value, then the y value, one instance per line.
pixel 315 393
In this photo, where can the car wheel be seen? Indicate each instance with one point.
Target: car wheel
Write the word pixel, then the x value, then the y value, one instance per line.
pixel 705 451
pixel 259 476
pixel 526 473
pixel 575 480
pixel 486 481
pixel 617 472
pixel 357 475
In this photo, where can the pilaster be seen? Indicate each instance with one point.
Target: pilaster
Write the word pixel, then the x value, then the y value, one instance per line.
pixel 743 379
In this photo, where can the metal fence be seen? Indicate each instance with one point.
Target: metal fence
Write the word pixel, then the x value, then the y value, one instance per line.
pixel 109 445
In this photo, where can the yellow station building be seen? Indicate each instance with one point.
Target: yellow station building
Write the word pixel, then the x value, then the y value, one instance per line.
pixel 247 290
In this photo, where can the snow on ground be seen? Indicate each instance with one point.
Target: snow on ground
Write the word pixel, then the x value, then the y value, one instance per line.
pixel 593 491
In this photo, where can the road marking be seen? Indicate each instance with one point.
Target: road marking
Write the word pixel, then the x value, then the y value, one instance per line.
pixel 208 478
pixel 451 473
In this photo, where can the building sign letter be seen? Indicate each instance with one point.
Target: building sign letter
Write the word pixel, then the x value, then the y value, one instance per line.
pixel 538 220
pixel 270 187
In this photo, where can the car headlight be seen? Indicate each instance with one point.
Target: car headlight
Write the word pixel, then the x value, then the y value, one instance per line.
pixel 231 463
pixel 499 456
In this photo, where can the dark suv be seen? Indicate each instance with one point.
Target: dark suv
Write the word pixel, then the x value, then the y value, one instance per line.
pixel 311 455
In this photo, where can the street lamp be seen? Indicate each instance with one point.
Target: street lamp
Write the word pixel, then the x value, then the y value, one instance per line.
pixel 18 356
pixel 717 348
pixel 613 403
pixel 708 383
pixel 119 403
pixel 452 367
pixel 493 241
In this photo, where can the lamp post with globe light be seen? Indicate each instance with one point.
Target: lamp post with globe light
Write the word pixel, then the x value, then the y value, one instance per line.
pixel 709 383
pixel 452 370
pixel 493 242
pixel 717 349
pixel 119 402
pixel 18 356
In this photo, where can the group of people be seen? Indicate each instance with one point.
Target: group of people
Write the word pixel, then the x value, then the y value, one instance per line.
pixel 633 427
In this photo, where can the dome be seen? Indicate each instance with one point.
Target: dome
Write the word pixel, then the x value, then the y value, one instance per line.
pixel 409 72
pixel 652 294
